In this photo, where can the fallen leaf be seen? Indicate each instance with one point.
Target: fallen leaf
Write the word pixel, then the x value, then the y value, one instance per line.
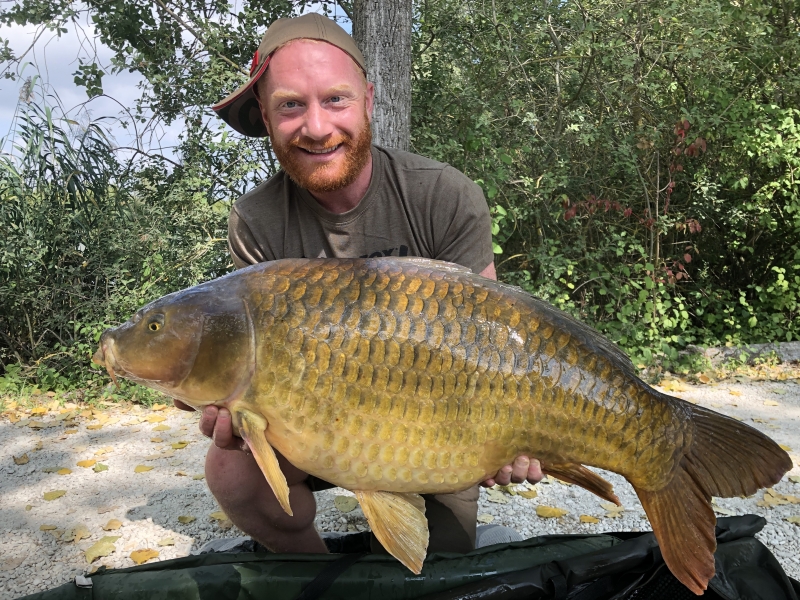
pixel 112 525
pixel 39 410
pixel 99 467
pixel 64 471
pixel 785 447
pixel 142 469
pixel 86 463
pixel 529 494
pixel 507 489
pixel 723 511
pixel 770 403
pixel 549 512
pixel 103 451
pixel 47 527
pixel 673 385
pixel 496 496
pixel 104 509
pixel 168 541
pixel 95 426
pixel 76 534
pixel 758 420
pixel 589 519
pixel 155 418
pixel 70 431
pixel 180 445
pixel 52 469
pixel 221 516
pixel 734 393
pixel 716 405
pixel 102 547
pixel 156 440
pixel 703 378
pixel 345 504
pixel 485 518
pixel 198 477
pixel 182 474
pixel 794 520
pixel 22 460
pixel 794 478
pixel 186 519
pixel 158 407
pixel 28 507
pixel 162 428
pixel 142 556
pixel 54 494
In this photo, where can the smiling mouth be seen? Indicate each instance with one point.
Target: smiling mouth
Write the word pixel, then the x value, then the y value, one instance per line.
pixel 320 150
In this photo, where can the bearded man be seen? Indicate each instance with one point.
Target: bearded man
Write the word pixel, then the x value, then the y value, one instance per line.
pixel 336 195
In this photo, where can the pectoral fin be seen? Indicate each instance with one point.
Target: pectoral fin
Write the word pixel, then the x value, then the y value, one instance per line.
pixel 580 475
pixel 398 521
pixel 252 430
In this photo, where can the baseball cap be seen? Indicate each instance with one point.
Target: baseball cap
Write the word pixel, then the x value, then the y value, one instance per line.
pixel 240 110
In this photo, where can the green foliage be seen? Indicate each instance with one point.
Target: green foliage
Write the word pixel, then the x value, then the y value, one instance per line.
pixel 644 156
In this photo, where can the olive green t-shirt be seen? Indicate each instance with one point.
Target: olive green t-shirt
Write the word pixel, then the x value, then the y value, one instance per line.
pixel 414 206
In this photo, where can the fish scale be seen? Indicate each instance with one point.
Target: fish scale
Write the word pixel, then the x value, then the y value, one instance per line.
pixel 393 377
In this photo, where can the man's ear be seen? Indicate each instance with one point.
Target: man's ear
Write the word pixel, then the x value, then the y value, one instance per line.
pixel 370 99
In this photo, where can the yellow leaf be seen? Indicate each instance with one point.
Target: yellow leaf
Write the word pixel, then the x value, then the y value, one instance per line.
pixel 496 496
pixel 794 478
pixel 770 403
pixel 794 520
pixel 180 445
pixel 162 428
pixel 186 519
pixel 549 512
pixel 76 534
pixel 104 450
pixel 28 507
pixel 37 424
pixel 142 556
pixel 64 471
pixel 112 525
pixel 103 547
pixel 528 494
pixel 142 469
pixel 589 519
pixel 54 494
pixel 99 467
pixel 70 431
pixel 168 541
pixel 39 410
pixel 182 474
pixel 673 385
pixel 219 515
pixel 785 447
pixel 155 418
pixel 716 405
pixel 345 504
pixel 703 378
pixel 158 407
pixel 198 477
pixel 734 393
pixel 47 527
pixel 610 506
pixel 52 469
pixel 94 427
pixel 22 460
pixel 86 463
pixel 485 518
pixel 156 440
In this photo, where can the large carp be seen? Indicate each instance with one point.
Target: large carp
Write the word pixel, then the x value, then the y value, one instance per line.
pixel 395 377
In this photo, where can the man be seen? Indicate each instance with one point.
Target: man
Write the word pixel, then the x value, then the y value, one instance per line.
pixel 337 195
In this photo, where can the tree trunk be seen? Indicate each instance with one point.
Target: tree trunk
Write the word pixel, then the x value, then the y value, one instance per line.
pixel 382 31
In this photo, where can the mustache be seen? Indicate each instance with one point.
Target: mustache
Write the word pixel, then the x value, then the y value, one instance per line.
pixel 308 144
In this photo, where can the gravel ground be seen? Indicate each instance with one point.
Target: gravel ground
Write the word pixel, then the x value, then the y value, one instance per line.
pixel 148 506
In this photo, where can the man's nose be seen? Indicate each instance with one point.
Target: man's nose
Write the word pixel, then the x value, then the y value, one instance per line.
pixel 317 125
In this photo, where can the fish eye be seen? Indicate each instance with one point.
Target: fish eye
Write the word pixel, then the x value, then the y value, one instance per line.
pixel 156 322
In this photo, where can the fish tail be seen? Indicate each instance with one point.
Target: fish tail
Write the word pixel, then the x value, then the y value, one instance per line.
pixel 726 459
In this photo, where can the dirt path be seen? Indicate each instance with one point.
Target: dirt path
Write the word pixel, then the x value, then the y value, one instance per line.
pixel 145 486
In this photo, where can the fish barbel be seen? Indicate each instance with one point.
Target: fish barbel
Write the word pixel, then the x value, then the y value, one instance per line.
pixel 395 377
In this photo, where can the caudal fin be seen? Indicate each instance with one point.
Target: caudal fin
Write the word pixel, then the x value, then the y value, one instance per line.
pixel 727 458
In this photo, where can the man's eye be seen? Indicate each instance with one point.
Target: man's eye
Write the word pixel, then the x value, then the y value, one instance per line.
pixel 336 98
pixel 291 104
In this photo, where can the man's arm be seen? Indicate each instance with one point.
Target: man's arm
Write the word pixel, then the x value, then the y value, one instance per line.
pixel 523 468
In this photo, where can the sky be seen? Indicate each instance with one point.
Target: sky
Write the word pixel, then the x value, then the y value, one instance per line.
pixel 56 59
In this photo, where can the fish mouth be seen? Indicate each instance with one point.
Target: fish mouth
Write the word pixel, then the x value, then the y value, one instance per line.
pixel 105 358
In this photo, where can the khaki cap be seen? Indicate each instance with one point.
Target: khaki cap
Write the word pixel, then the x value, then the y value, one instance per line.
pixel 240 110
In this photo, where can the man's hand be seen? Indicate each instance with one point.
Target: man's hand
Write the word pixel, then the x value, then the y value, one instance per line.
pixel 523 469
pixel 216 424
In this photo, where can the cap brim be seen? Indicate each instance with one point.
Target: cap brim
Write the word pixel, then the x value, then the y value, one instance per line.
pixel 241 111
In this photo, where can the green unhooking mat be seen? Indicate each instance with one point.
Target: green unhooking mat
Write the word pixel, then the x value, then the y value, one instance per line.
pixel 558 567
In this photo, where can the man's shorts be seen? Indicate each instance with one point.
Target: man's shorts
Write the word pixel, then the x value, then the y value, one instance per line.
pixel 452 519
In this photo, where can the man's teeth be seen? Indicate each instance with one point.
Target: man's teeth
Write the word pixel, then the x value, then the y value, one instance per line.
pixel 323 151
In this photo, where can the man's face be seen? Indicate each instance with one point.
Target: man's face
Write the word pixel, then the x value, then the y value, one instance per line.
pixel 317 108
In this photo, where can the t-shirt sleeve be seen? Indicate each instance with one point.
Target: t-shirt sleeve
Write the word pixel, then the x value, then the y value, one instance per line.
pixel 243 248
pixel 461 222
